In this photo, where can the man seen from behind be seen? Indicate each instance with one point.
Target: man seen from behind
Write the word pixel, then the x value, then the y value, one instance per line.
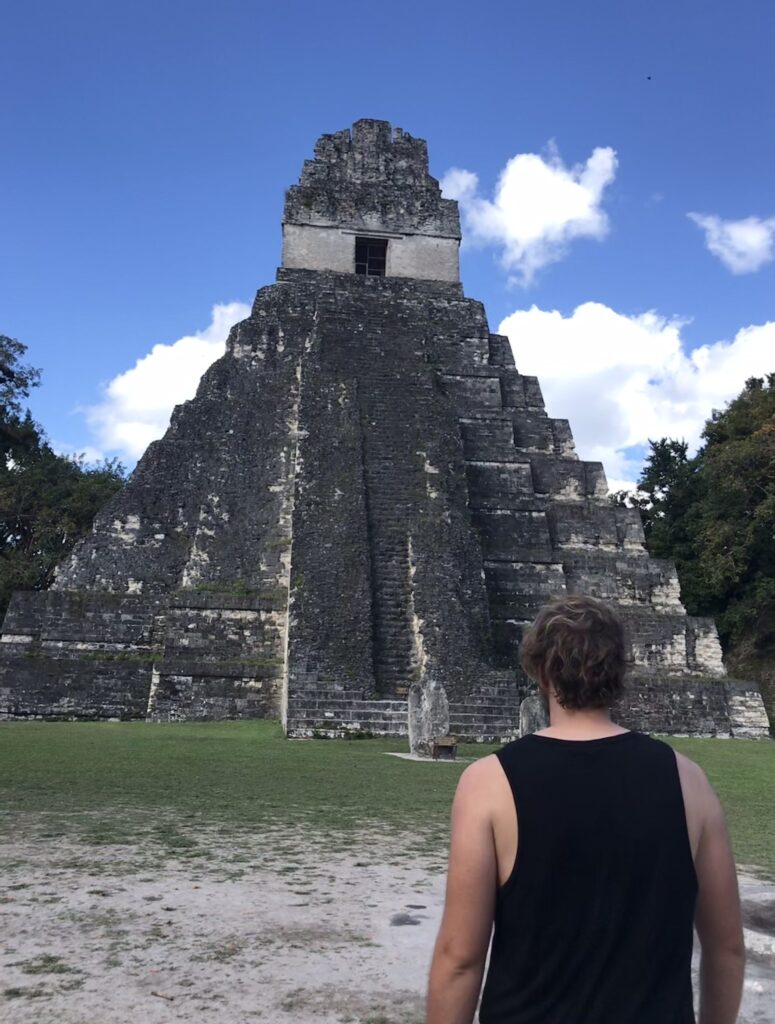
pixel 593 852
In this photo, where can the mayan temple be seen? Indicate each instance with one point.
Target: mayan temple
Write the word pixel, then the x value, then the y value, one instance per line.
pixel 358 512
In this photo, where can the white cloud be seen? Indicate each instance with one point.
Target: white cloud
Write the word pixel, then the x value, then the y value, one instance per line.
pixel 540 206
pixel 743 246
pixel 137 404
pixel 87 452
pixel 622 380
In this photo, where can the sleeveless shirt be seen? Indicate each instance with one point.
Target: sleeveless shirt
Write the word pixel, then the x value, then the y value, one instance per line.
pixel 595 923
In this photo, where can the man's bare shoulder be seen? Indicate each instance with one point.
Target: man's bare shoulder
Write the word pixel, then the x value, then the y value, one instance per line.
pixel 481 782
pixel 481 773
pixel 703 807
pixel 481 791
pixel 690 770
pixel 693 778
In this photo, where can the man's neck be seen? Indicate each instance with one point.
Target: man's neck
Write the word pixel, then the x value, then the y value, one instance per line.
pixel 588 724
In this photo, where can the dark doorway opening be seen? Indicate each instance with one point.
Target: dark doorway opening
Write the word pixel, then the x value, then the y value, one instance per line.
pixel 370 256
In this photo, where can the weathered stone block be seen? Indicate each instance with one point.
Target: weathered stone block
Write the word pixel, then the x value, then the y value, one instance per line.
pixel 469 393
pixel 533 715
pixel 533 432
pixel 511 536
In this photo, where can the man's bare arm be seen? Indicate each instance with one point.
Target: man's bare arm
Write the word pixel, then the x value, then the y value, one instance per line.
pixel 461 946
pixel 718 919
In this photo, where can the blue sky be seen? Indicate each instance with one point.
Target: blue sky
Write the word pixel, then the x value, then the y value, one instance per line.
pixel 147 147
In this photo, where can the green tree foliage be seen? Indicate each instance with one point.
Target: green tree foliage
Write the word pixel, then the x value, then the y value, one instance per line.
pixel 17 431
pixel 714 516
pixel 47 500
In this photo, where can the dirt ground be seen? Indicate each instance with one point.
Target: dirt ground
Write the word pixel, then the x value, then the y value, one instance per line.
pixel 276 928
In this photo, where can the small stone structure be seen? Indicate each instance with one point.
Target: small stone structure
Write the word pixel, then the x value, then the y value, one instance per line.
pixel 350 524
pixel 533 714
pixel 427 714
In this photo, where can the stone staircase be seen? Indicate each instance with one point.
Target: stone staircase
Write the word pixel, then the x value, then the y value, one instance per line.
pixel 391 491
pixel 337 714
pixel 334 713
pixel 486 721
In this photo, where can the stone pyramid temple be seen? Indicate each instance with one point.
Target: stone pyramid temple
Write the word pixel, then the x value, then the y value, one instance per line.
pixel 359 511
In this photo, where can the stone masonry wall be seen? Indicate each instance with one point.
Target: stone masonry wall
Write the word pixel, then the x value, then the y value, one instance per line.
pixel 372 177
pixel 331 248
pixel 676 707
pixel 371 180
pixel 77 654
pixel 198 541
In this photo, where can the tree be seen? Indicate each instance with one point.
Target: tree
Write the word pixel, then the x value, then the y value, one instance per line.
pixel 47 500
pixel 18 432
pixel 714 515
pixel 736 530
pixel 16 379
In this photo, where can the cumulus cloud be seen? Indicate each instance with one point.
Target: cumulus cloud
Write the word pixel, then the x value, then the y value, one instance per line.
pixel 540 206
pixel 743 246
pixel 622 380
pixel 86 453
pixel 136 405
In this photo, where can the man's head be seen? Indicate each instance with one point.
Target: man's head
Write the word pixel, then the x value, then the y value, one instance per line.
pixel 575 650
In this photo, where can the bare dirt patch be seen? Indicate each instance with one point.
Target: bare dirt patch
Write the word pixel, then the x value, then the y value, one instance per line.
pixel 238 932
pixel 222 927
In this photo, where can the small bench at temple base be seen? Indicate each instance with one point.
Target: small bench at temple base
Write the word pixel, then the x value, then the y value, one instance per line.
pixel 444 748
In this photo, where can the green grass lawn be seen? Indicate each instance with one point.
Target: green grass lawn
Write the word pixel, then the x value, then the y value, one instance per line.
pixel 102 779
pixel 112 781
pixel 743 774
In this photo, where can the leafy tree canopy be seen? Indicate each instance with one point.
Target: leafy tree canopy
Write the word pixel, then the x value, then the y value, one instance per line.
pixel 47 500
pixel 714 515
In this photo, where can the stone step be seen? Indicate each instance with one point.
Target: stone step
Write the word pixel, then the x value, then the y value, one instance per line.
pixel 334 727
pixel 344 697
pixel 487 711
pixel 485 707
pixel 364 724
pixel 323 732
pixel 315 701
pixel 361 706
pixel 498 738
pixel 342 718
pixel 325 693
pixel 470 713
pixel 369 719
pixel 341 731
pixel 379 709
pixel 506 693
pixel 474 725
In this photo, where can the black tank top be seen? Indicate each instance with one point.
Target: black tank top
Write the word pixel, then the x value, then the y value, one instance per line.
pixel 595 923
